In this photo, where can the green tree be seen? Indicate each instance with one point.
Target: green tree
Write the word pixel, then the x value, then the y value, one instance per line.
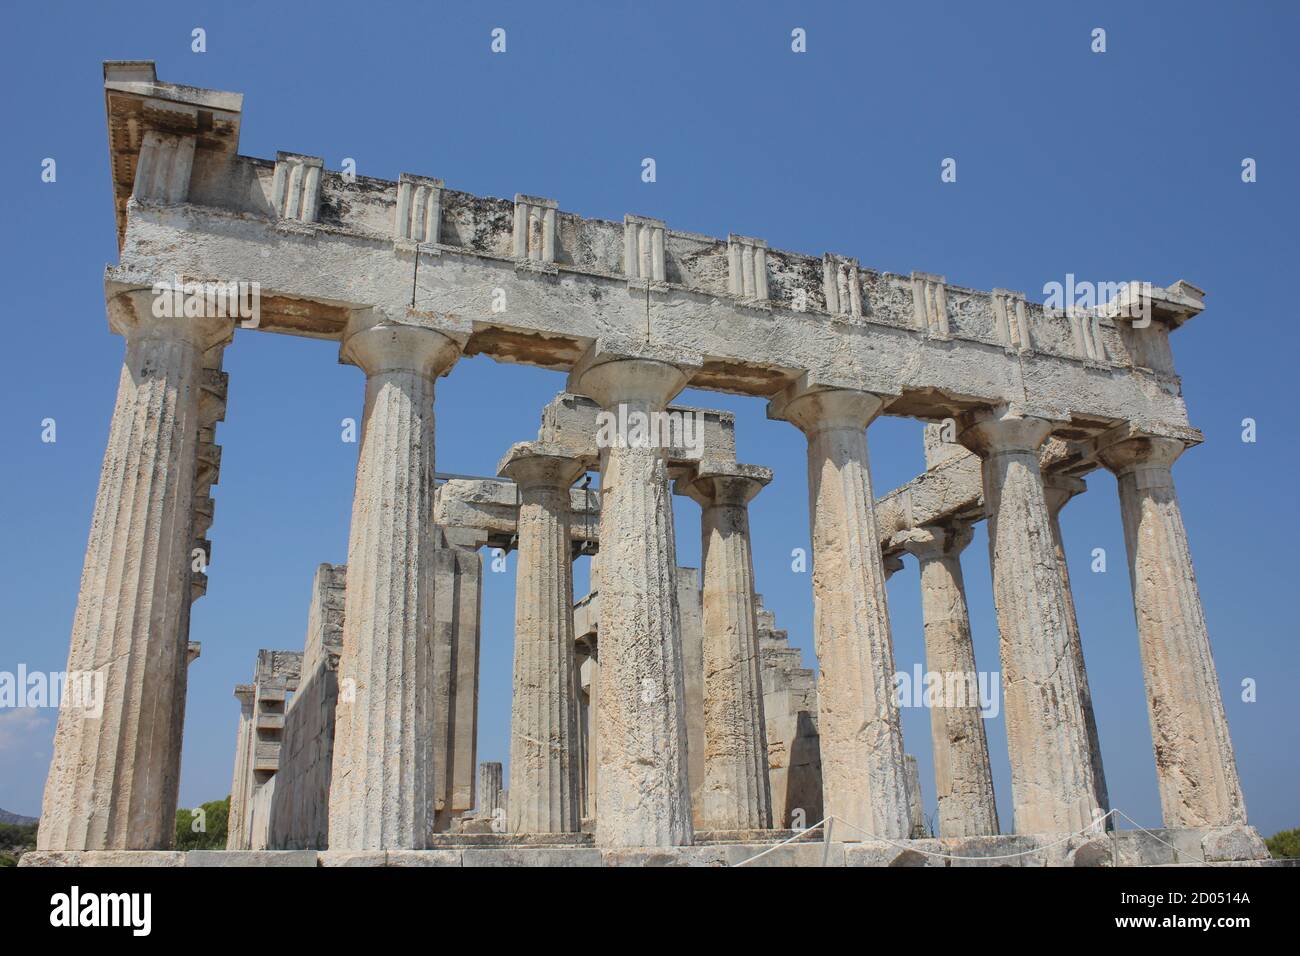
pixel 15 840
pixel 212 835
pixel 1284 845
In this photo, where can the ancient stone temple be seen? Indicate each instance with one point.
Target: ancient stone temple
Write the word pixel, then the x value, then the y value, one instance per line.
pixel 663 717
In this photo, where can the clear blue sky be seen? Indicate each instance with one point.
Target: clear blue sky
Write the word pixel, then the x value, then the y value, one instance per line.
pixel 1109 166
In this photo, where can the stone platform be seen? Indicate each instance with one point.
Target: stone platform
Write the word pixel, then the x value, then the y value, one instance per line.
pixel 1232 846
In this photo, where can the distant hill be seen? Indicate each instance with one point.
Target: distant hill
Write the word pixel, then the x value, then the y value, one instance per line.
pixel 16 819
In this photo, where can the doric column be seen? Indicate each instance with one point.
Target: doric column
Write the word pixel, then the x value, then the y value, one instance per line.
pixel 1051 773
pixel 489 790
pixel 1059 489
pixel 962 777
pixel 864 779
pixel 457 605
pixel 544 759
pixel 111 782
pixel 643 785
pixel 735 794
pixel 241 786
pixel 1195 765
pixel 381 786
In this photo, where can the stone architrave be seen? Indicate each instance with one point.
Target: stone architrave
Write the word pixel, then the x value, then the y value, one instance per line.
pixel 864 779
pixel 962 775
pixel 1195 764
pixel 735 794
pixel 383 745
pixel 1051 770
pixel 643 784
pixel 112 781
pixel 544 754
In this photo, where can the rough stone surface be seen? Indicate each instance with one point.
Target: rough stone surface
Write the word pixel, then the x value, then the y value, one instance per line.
pixel 380 792
pixel 114 778
pixel 634 312
pixel 735 793
pixel 457 609
pixel 643 781
pixel 1195 764
pixel 864 783
pixel 794 763
pixel 1058 490
pixel 544 770
pixel 300 807
pixel 1051 775
pixel 963 778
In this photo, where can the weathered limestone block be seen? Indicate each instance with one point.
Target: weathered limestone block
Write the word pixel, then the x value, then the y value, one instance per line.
pixel 259 747
pixel 735 794
pixel 113 780
pixel 1051 771
pixel 491 791
pixel 1058 490
pixel 963 778
pixel 457 608
pixel 690 606
pixel 643 781
pixel 790 710
pixel 861 740
pixel 1195 764
pixel 241 787
pixel 588 665
pixel 300 808
pixel 544 767
pixel 915 802
pixel 380 792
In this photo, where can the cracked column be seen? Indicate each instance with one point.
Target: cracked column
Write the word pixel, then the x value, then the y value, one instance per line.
pixel 381 781
pixel 112 781
pixel 735 794
pixel 1195 766
pixel 1052 785
pixel 864 777
pixel 643 786
pixel 1059 489
pixel 962 776
pixel 544 755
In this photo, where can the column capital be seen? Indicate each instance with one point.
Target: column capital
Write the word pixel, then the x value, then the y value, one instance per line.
pixel 376 343
pixel 812 408
pixel 991 432
pixel 738 487
pixel 892 563
pixel 1059 488
pixel 636 373
pixel 929 542
pixel 540 464
pixel 1130 451
pixel 137 314
pixel 244 693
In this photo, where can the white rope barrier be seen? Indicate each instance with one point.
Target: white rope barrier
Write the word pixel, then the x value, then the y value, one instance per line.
pixel 1094 827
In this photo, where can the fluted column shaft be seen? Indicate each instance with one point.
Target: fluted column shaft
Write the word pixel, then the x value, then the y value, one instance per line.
pixel 863 774
pixel 735 794
pixel 241 786
pixel 544 757
pixel 1195 764
pixel 1051 771
pixel 963 778
pixel 1059 489
pixel 643 786
pixel 112 781
pixel 381 788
